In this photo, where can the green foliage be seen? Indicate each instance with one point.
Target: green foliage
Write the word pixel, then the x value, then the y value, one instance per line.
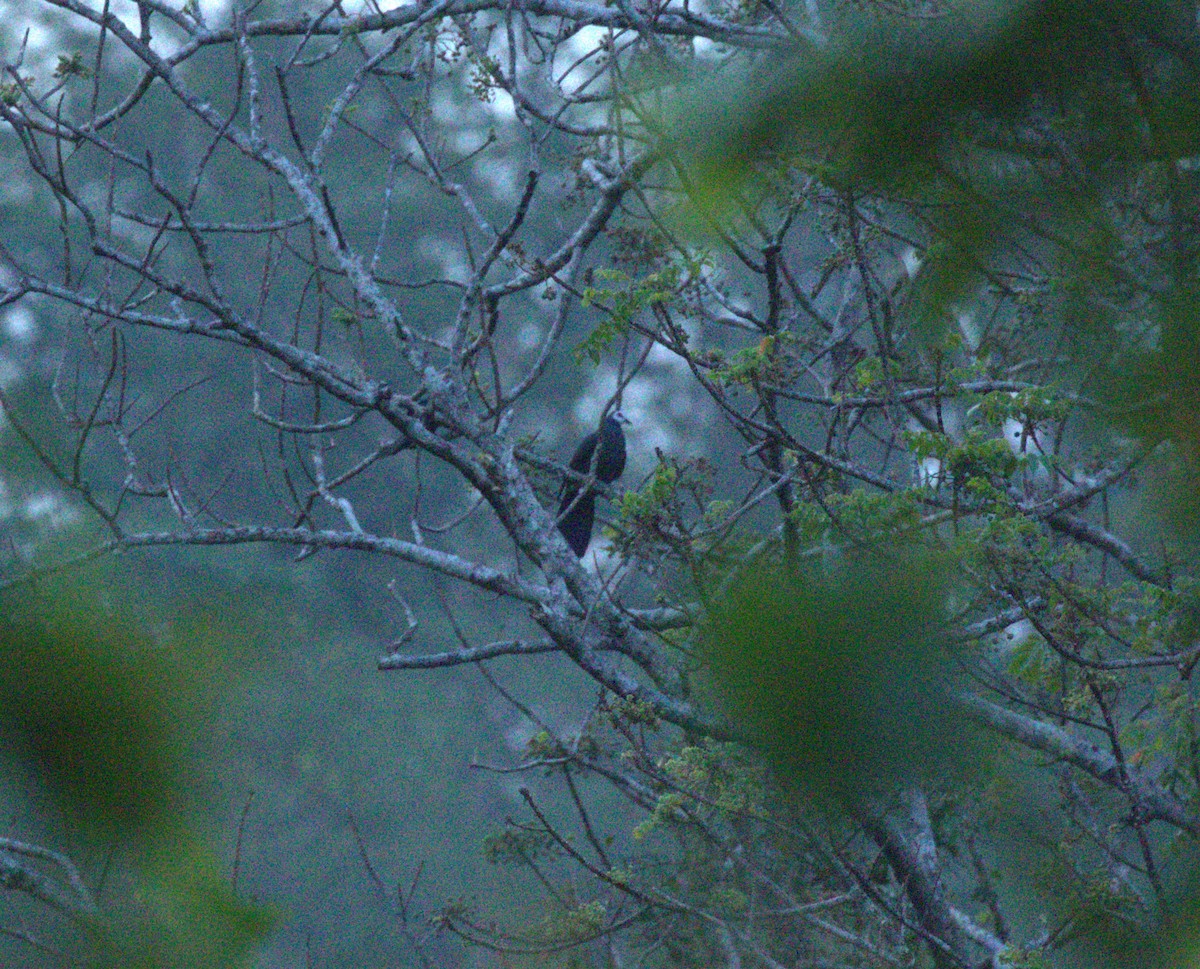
pixel 666 809
pixel 630 711
pixel 868 373
pixel 839 677
pixel 771 361
pixel 884 99
pixel 647 510
pixel 1151 392
pixel 931 109
pixel 483 78
pixel 721 777
pixel 515 846
pixel 977 461
pixel 660 515
pixel 1033 407
pixel 952 267
pixel 105 714
pixel 575 925
pixel 829 646
pixel 92 709
pixel 860 516
pixel 72 65
pixel 622 302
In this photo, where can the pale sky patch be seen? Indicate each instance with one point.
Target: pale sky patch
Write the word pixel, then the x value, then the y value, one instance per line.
pixel 19 324
pixel 48 509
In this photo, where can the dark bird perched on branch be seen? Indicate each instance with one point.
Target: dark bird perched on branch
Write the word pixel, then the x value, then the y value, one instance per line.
pixel 576 512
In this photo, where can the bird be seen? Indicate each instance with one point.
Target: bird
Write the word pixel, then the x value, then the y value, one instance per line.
pixel 577 512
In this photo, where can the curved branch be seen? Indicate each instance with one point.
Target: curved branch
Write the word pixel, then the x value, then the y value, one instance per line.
pixel 1088 757
pixel 1108 543
pixel 460 657
pixel 445 563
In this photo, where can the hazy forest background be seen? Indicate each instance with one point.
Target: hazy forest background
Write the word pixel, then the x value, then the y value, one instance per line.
pixel 884 649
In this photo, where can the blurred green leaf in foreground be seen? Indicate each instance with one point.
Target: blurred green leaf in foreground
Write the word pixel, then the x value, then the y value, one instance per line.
pixel 1061 132
pixel 106 717
pixel 839 678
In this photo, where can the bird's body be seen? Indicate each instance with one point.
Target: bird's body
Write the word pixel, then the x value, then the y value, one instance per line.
pixel 601 453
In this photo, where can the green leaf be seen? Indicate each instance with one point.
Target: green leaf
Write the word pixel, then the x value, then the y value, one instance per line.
pixel 841 677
